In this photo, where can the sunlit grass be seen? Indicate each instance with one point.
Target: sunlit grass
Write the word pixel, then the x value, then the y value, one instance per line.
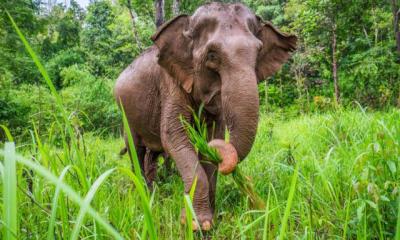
pixel 333 197
pixel 9 177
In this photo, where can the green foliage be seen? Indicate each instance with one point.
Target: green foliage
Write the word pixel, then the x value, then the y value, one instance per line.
pixel 12 54
pixel 348 180
pixel 89 98
pixel 271 10
pixel 96 37
pixel 373 77
pixel 12 113
pixel 365 50
pixel 62 60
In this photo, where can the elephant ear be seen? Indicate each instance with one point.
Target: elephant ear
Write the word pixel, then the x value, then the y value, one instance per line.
pixel 175 54
pixel 276 50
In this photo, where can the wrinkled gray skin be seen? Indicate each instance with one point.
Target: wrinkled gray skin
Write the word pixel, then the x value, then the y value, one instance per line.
pixel 215 57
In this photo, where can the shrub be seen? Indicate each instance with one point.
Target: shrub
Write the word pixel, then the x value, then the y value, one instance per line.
pixel 89 99
pixel 61 60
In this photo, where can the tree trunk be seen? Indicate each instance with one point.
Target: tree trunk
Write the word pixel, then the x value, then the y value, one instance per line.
pixel 159 5
pixel 175 7
pixel 334 65
pixel 396 19
pixel 134 30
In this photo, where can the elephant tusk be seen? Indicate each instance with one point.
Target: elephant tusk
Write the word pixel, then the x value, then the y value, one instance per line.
pixel 228 154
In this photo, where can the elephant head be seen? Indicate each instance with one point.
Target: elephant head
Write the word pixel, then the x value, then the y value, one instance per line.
pixel 218 55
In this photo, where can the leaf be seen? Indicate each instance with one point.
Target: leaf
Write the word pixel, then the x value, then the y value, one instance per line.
pixel 86 203
pixel 8 134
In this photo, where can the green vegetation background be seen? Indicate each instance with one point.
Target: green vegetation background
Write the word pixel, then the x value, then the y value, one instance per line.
pixel 348 158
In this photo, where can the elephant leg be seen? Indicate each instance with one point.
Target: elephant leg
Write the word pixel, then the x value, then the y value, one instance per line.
pixel 150 167
pixel 189 170
pixel 178 146
pixel 212 175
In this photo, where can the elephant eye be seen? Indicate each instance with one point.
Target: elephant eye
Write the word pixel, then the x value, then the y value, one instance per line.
pixel 212 56
pixel 212 60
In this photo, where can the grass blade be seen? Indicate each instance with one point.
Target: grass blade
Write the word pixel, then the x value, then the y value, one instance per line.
pixel 36 60
pixel 1 172
pixel 138 179
pixel 282 234
pixel 258 220
pixel 346 221
pixel 266 222
pixel 398 221
pixel 10 193
pixel 190 213
pixel 86 203
pixel 134 158
pixel 68 190
pixel 50 231
pixel 7 132
pixel 189 217
pixel 145 201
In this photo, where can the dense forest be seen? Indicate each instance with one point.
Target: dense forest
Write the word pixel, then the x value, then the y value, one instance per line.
pixel 348 54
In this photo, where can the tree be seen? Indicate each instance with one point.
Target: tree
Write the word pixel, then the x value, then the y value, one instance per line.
pixel 349 42
pixel 12 52
pixel 270 10
pixel 68 29
pixel 133 19
pixel 322 24
pixel 159 6
pixel 175 7
pixel 97 36
pixel 396 22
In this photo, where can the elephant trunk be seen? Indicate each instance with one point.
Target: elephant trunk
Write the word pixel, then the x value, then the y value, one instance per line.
pixel 240 106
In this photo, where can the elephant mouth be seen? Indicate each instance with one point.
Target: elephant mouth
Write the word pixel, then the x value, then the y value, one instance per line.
pixel 228 154
pixel 212 103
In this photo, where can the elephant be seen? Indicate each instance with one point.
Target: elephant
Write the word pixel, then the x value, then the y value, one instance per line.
pixel 214 58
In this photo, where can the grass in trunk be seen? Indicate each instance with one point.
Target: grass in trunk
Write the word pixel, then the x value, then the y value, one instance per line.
pixel 198 135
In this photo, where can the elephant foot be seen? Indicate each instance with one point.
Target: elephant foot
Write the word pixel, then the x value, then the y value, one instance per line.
pixel 204 219
pixel 206 226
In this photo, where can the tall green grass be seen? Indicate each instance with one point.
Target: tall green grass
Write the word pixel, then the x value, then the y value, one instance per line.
pixel 282 234
pixel 9 176
pixel 349 194
pixel 140 183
